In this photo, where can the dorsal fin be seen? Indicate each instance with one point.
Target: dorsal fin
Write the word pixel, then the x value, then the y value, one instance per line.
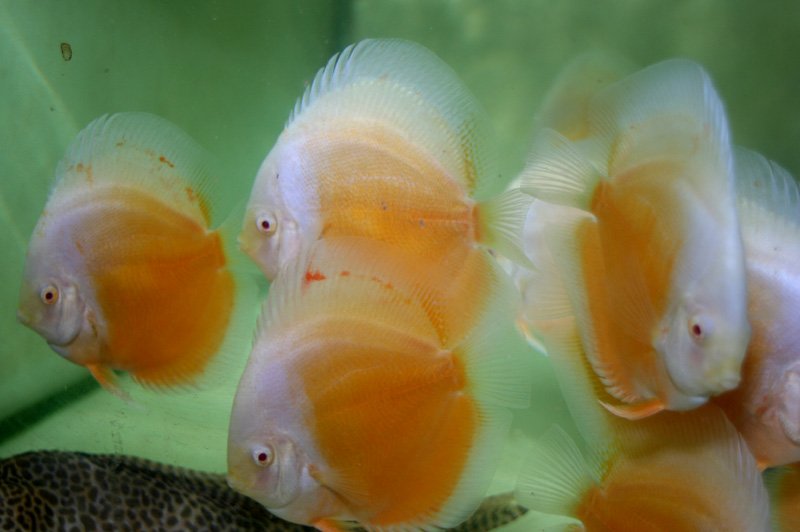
pixel 767 193
pixel 669 111
pixel 566 105
pixel 558 172
pixel 556 475
pixel 145 151
pixel 405 86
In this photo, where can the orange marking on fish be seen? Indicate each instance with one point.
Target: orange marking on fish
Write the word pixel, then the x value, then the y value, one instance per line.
pixel 385 426
pixel 431 211
pixel 628 262
pixel 165 295
pixel 166 161
pixel 344 273
pixel 311 277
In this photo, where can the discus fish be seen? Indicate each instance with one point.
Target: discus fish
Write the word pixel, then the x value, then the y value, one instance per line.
pixel 678 471
pixel 355 406
pixel 765 408
pixel 650 252
pixel 123 269
pixel 386 143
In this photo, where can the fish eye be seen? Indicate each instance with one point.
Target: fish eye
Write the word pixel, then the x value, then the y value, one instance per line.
pixel 49 295
pixel 266 223
pixel 263 456
pixel 699 328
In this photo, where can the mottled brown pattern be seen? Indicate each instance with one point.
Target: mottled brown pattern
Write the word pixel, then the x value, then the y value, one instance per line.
pixel 51 490
pixel 78 491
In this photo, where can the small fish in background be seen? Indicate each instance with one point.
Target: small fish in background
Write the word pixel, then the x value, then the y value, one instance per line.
pixel 765 408
pixel 357 408
pixel 386 143
pixel 678 471
pixel 783 484
pixel 124 270
pixel 649 253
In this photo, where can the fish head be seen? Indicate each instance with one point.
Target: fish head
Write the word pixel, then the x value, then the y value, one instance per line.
pixel 703 345
pixel 263 237
pixel 269 234
pixel 268 468
pixel 266 453
pixel 53 303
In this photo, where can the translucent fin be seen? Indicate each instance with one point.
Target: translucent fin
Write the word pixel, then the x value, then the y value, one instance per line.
pixel 635 411
pixel 333 525
pixel 544 295
pixel 502 220
pixel 407 87
pixel 145 151
pixel 555 476
pixel 108 380
pixel 769 200
pixel 495 424
pixel 566 106
pixel 250 291
pixel 573 241
pixel 499 365
pixel 557 172
pixel 715 449
pixel 497 358
pixel 669 111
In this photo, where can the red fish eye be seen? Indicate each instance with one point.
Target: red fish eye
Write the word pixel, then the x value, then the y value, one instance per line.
pixel 265 224
pixel 697 330
pixel 49 295
pixel 263 456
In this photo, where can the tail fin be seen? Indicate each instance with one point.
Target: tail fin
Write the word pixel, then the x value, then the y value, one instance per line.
pixel 555 476
pixel 502 220
pixel 499 365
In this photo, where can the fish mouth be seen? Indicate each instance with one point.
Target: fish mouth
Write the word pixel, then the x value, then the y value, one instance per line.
pixel 61 349
pixel 23 318
pixel 59 346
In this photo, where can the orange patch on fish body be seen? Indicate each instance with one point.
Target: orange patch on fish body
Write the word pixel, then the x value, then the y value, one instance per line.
pixel 398 411
pixel 628 261
pixel 161 284
pixel 376 184
pixel 643 496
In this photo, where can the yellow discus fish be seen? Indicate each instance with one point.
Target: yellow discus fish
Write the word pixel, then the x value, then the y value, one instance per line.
pixel 650 251
pixel 386 143
pixel 123 270
pixel 354 408
pixel 672 471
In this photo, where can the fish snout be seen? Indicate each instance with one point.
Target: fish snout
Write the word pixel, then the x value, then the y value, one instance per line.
pixel 724 377
pixel 24 318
